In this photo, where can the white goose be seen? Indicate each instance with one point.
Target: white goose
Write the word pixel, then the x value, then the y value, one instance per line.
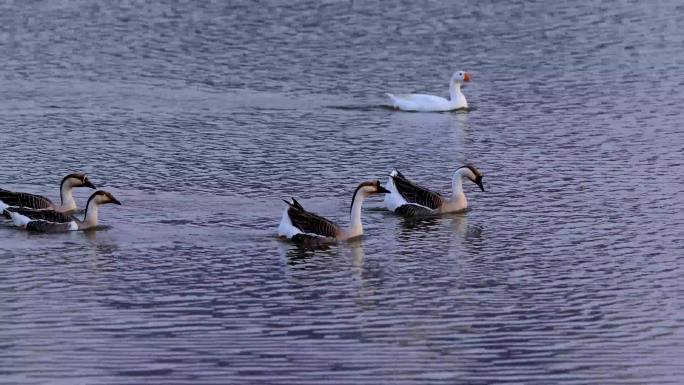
pixel 423 102
pixel 51 221
pixel 299 225
pixel 67 202
pixel 408 198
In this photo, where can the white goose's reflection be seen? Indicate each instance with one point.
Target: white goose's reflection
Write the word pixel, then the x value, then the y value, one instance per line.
pixel 410 226
pixel 470 234
pixel 370 277
pixel 357 256
pixel 445 123
pixel 459 224
pixel 90 235
pixel 416 229
pixel 299 255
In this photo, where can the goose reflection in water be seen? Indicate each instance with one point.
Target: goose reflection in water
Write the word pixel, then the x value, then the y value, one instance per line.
pixel 307 255
pixel 460 225
pixel 457 223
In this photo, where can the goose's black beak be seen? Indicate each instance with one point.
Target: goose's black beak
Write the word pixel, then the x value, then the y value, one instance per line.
pixel 115 201
pixel 478 182
pixel 88 184
pixel 382 190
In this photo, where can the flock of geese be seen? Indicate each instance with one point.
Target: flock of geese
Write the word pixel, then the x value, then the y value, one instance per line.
pixel 38 213
pixel 402 196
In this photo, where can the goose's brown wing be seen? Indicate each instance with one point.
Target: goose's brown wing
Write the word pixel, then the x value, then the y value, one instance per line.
pixel 21 199
pixel 412 210
pixel 416 194
pixel 48 227
pixel 311 223
pixel 46 215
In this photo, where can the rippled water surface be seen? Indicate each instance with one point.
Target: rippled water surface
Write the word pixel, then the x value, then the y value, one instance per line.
pixel 200 117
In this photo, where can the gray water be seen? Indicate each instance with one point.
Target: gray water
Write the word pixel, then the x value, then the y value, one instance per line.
pixel 200 117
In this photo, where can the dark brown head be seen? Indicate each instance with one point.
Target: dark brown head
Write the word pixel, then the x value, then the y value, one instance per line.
pixel 473 174
pixel 371 187
pixel 77 179
pixel 102 197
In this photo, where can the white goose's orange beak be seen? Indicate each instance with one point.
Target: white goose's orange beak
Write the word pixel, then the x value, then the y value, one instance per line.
pixel 466 77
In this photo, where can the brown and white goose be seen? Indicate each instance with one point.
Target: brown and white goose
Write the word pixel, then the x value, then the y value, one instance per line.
pixel 67 202
pixel 51 221
pixel 408 198
pixel 300 225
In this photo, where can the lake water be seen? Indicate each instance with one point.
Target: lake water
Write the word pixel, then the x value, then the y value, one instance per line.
pixel 201 116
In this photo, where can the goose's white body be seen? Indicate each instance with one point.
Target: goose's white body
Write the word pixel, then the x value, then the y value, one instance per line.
pixel 287 229
pixel 22 221
pixel 393 200
pixel 427 103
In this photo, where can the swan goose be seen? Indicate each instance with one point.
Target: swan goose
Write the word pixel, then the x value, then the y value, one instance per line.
pixel 408 198
pixel 67 202
pixel 51 221
pixel 425 103
pixel 299 225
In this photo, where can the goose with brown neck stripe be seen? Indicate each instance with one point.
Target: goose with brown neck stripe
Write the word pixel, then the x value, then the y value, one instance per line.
pixel 48 221
pixel 66 198
pixel 297 224
pixel 410 199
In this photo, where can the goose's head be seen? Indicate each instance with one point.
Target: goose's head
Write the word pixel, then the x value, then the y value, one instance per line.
pixel 368 188
pixel 473 174
pixel 372 187
pixel 460 76
pixel 77 179
pixel 101 197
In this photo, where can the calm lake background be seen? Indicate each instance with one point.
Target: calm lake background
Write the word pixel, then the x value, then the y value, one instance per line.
pixel 201 116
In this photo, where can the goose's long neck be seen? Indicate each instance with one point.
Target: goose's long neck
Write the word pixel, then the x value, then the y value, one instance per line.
pixel 457 185
pixel 91 215
pixel 455 91
pixel 355 226
pixel 66 197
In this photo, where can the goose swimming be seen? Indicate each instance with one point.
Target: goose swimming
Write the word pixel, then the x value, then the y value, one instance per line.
pixel 423 102
pixel 52 221
pixel 67 202
pixel 298 224
pixel 408 198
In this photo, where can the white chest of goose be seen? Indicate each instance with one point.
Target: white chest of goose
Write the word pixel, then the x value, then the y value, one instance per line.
pixel 34 201
pixel 427 103
pixel 51 221
pixel 408 198
pixel 297 224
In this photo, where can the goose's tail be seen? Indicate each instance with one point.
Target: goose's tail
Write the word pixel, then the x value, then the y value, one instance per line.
pixel 19 220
